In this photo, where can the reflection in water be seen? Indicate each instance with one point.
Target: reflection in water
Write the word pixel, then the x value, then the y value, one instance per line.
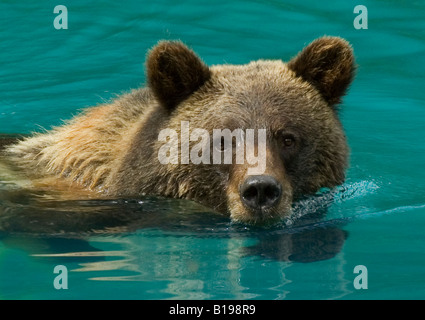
pixel 190 265
pixel 306 246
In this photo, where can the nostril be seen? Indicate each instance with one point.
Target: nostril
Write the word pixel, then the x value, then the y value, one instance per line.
pixel 250 193
pixel 271 192
pixel 260 192
pixel 269 195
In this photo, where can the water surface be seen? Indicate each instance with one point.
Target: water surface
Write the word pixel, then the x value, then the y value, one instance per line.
pixel 152 248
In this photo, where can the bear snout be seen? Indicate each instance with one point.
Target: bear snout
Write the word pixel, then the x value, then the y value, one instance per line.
pixel 260 193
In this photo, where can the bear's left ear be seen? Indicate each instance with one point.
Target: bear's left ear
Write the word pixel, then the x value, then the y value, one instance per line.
pixel 328 64
pixel 174 72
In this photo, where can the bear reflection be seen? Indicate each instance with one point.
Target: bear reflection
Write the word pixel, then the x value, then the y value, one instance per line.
pixel 305 246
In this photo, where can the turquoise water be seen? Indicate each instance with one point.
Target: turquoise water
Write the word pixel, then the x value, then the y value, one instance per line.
pixel 167 249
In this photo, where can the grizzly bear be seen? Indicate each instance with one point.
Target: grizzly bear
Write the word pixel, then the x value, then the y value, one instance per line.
pixel 113 149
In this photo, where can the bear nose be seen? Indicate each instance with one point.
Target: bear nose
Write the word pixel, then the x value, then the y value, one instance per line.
pixel 261 192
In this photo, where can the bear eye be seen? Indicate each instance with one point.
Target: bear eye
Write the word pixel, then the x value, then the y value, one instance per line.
pixel 288 141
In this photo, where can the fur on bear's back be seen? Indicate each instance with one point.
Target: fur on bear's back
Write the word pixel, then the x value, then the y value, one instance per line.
pixel 87 148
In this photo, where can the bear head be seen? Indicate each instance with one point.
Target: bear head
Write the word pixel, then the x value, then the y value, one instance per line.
pixel 292 107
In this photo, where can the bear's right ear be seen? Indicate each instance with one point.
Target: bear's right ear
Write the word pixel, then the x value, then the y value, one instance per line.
pixel 174 72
